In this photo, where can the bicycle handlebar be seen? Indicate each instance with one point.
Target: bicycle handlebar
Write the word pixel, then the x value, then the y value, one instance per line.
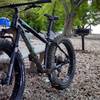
pixel 32 6
pixel 23 4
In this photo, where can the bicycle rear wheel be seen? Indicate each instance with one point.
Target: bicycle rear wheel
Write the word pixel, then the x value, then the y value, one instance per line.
pixel 62 62
pixel 15 90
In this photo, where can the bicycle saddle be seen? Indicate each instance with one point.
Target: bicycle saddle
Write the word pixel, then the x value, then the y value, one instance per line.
pixel 51 17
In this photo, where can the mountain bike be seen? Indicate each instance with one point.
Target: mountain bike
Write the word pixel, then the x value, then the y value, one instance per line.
pixel 59 56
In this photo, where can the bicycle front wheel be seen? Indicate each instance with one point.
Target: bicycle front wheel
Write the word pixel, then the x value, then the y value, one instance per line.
pixel 61 60
pixel 15 90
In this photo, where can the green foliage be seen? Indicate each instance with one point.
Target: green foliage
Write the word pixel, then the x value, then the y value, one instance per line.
pixel 81 18
pixel 96 4
pixel 85 14
pixel 35 17
pixel 41 22
pixel 96 11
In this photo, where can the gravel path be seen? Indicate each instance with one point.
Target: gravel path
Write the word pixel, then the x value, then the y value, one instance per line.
pixel 86 83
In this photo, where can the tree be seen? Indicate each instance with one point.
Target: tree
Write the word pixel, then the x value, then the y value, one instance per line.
pixel 8 12
pixel 70 12
pixel 35 17
pixel 96 11
pixel 97 4
pixel 70 7
pixel 83 15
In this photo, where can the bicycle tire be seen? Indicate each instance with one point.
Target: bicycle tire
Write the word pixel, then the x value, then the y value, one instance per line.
pixel 55 81
pixel 18 89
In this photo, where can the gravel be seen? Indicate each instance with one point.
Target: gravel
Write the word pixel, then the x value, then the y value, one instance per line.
pixel 86 83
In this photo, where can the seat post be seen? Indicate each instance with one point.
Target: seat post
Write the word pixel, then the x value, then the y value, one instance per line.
pixel 49 27
pixel 51 20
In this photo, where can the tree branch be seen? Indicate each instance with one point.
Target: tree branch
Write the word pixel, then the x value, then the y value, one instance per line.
pixel 66 9
pixel 76 3
pixel 79 3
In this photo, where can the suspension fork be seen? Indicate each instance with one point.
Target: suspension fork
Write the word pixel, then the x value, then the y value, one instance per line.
pixel 47 47
pixel 8 79
pixel 59 48
pixel 46 53
pixel 13 56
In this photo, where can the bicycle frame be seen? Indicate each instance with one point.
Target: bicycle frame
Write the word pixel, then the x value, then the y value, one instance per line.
pixel 23 25
pixel 20 25
pixel 54 60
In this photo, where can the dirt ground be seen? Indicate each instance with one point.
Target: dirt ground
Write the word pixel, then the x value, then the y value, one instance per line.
pixel 86 83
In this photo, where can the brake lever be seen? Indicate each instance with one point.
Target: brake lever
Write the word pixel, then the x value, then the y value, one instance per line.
pixel 32 6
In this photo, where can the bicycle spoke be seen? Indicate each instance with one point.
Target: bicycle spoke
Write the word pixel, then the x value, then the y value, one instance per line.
pixel 63 51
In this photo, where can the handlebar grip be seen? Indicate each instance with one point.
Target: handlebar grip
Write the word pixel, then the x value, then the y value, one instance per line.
pixel 45 1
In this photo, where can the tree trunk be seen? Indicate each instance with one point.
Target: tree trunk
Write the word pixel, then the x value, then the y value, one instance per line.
pixel 70 15
pixel 68 19
pixel 68 24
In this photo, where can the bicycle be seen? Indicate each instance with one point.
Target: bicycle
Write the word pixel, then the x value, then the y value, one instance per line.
pixel 59 56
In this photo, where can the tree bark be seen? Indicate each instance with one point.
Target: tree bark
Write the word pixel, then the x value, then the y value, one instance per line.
pixel 70 14
pixel 68 24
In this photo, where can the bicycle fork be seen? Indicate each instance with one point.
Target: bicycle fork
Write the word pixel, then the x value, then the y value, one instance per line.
pixel 8 78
